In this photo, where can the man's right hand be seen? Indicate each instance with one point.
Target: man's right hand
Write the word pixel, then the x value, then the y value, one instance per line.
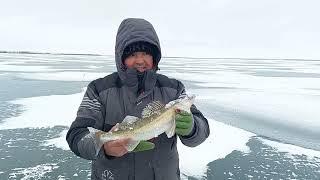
pixel 116 148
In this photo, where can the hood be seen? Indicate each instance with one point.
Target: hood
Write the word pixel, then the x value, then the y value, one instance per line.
pixel 133 30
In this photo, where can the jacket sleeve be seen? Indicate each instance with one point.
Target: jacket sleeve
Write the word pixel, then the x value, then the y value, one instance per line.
pixel 90 114
pixel 201 128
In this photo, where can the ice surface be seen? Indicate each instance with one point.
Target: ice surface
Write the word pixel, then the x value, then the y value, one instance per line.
pixel 222 141
pixel 291 149
pixel 45 111
pixel 231 79
pixel 284 100
pixel 49 111
pixel 54 69
pixel 5 67
pixel 290 110
pixel 36 172
pixel 59 142
pixel 63 76
pixel 284 94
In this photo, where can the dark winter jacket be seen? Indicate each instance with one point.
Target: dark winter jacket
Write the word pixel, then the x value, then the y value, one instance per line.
pixel 109 100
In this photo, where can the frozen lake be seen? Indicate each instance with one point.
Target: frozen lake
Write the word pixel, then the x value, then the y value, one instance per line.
pixel 263 115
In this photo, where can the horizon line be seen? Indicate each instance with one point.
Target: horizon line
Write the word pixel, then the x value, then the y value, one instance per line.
pixel 180 57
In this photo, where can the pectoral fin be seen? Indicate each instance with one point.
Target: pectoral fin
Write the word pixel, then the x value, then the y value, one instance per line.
pixel 132 145
pixel 171 130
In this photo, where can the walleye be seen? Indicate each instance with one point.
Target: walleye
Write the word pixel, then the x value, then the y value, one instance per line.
pixel 156 119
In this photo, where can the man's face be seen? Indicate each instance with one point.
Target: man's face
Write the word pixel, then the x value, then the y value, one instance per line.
pixel 141 61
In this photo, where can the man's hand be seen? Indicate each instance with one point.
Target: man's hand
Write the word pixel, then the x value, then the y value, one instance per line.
pixel 144 146
pixel 184 123
pixel 118 148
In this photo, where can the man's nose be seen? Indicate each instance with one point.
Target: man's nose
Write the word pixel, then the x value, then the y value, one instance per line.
pixel 140 59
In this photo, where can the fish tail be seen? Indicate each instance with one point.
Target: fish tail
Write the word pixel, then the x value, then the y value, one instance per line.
pixel 96 136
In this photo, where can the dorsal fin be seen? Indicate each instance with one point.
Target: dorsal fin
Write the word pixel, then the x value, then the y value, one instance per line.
pixel 129 119
pixel 127 123
pixel 152 108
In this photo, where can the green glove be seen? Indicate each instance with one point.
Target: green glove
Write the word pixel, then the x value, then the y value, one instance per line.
pixel 184 123
pixel 144 146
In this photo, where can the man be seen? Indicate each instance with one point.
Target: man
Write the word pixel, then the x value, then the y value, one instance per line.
pixel 109 100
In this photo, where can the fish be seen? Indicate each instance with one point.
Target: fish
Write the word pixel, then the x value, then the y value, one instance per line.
pixel 156 118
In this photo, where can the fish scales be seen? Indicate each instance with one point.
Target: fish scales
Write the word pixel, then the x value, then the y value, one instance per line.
pixel 156 119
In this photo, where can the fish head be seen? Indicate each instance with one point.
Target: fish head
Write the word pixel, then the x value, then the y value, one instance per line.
pixel 183 103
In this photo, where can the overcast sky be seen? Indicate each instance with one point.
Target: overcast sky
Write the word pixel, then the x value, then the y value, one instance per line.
pixel 206 28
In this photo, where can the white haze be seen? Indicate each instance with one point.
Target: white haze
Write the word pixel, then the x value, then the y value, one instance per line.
pixel 209 28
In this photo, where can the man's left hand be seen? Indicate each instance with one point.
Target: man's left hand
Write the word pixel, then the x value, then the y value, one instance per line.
pixel 144 146
pixel 184 123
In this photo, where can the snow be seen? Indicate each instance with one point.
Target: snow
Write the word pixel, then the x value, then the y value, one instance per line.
pixel 59 142
pixel 36 172
pixel 222 141
pixel 291 149
pixel 45 111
